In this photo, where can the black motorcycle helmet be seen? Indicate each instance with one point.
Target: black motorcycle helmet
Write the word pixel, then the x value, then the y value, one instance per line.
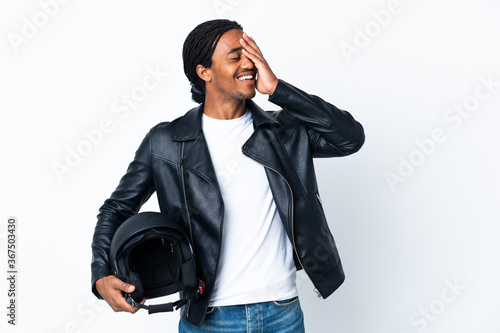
pixel 151 251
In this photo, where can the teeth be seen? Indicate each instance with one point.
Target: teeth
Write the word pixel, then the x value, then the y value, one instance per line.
pixel 245 77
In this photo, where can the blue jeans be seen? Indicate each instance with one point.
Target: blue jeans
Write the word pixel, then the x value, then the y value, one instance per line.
pixel 273 317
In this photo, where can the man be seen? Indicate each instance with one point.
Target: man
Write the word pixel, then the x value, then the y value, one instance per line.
pixel 244 181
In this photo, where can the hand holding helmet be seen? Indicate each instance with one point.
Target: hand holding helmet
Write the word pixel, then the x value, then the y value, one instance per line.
pixel 112 289
pixel 150 256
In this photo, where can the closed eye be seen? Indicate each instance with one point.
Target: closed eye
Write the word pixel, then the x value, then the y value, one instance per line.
pixel 235 54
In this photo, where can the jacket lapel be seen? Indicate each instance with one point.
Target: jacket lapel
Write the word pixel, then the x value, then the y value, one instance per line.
pixel 195 155
pixel 262 146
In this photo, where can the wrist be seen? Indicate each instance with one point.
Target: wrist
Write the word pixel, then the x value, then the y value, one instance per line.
pixel 273 87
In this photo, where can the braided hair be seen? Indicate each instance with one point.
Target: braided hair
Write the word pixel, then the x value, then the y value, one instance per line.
pixel 198 49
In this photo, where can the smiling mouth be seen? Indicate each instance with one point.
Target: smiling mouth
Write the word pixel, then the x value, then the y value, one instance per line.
pixel 246 77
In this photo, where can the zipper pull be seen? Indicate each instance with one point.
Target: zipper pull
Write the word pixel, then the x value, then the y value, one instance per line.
pixel 319 198
pixel 318 293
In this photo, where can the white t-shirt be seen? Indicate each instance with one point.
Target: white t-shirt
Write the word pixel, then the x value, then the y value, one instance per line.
pixel 256 263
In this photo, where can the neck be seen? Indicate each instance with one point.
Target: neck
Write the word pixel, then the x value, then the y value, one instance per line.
pixel 224 109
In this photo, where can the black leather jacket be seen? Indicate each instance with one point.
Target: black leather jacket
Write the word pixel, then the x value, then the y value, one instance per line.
pixel 174 161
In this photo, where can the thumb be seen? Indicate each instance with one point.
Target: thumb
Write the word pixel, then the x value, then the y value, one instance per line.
pixel 126 287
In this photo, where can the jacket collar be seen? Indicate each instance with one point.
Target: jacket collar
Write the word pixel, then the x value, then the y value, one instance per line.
pixel 189 125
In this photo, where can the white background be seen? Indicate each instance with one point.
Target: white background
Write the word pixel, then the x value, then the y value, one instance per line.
pixel 402 246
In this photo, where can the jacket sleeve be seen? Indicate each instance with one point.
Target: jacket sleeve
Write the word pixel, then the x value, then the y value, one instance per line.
pixel 135 188
pixel 332 131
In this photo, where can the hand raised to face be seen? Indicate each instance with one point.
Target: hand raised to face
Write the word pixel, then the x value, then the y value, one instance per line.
pixel 266 80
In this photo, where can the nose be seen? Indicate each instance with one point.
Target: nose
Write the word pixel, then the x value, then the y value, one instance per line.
pixel 246 63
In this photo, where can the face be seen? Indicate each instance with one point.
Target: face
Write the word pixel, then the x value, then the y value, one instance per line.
pixel 232 75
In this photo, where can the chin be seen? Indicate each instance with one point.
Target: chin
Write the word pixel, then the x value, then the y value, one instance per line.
pixel 243 94
pixel 250 95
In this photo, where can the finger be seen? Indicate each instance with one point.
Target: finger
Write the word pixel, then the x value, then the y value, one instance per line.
pixel 122 304
pixel 111 289
pixel 121 301
pixel 249 48
pixel 117 301
pixel 255 58
pixel 117 297
pixel 126 287
pixel 121 285
pixel 249 40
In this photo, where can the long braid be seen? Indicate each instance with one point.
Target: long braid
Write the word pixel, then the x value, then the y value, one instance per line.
pixel 198 49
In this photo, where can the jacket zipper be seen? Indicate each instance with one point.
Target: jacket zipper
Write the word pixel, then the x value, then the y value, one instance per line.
pixel 319 198
pixel 316 289
pixel 293 227
pixel 188 216
pixel 185 198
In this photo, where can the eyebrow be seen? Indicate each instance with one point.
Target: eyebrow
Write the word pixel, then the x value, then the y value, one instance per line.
pixel 234 50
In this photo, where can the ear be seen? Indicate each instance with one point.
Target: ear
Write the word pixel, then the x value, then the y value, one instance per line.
pixel 204 73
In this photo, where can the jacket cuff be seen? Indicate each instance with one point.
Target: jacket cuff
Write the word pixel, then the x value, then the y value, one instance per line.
pixel 98 272
pixel 278 91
